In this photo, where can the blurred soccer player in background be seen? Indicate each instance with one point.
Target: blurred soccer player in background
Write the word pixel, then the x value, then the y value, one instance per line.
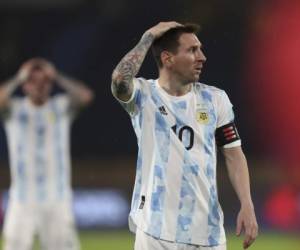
pixel 178 122
pixel 38 130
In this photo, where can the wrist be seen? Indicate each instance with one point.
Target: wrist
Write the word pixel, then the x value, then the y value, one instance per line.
pixel 19 78
pixel 247 204
pixel 60 78
pixel 148 36
pixel 13 84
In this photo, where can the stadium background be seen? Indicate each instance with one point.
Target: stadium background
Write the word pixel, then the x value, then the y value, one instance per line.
pixel 253 51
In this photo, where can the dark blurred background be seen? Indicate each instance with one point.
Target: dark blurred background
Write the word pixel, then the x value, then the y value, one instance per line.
pixel 253 51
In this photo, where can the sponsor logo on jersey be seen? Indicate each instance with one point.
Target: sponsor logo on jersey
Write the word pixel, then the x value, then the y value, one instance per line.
pixel 202 114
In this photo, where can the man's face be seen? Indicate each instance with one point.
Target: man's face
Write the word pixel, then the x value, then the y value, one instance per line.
pixel 38 86
pixel 188 61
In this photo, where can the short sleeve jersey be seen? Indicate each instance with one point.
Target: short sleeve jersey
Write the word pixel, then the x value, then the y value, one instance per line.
pixel 39 149
pixel 175 193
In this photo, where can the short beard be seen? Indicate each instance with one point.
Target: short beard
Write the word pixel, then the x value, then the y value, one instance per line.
pixel 191 80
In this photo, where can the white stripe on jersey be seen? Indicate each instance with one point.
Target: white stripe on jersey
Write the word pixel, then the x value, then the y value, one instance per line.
pixel 38 142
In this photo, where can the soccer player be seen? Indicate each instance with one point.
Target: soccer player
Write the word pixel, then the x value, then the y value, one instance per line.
pixel 178 122
pixel 38 130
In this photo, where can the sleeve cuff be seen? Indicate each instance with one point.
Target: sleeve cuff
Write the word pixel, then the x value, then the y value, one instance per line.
pixel 131 97
pixel 233 144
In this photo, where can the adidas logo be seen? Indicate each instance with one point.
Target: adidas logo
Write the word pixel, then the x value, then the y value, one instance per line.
pixel 163 110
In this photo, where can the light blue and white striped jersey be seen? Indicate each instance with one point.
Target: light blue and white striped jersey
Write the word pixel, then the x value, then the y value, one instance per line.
pixel 39 150
pixel 175 193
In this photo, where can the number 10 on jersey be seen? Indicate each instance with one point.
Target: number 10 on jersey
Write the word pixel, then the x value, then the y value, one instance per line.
pixel 183 133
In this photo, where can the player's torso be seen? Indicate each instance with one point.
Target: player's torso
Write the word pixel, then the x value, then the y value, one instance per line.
pixel 38 139
pixel 191 117
pixel 176 167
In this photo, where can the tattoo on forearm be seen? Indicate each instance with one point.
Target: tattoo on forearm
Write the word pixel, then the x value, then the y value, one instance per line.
pixel 11 85
pixel 130 65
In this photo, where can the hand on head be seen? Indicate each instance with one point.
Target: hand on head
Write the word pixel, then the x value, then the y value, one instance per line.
pixel 36 64
pixel 161 28
pixel 49 69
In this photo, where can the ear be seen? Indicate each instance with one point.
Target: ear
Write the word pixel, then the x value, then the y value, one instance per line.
pixel 166 58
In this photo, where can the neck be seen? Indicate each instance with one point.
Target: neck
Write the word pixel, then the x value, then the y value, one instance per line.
pixel 37 102
pixel 172 84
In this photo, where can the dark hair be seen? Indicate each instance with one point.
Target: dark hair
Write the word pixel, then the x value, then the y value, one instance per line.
pixel 169 40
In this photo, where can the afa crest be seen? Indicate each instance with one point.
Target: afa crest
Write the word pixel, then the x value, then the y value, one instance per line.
pixel 202 114
pixel 51 117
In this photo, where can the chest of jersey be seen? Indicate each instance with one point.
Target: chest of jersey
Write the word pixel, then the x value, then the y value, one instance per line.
pixel 192 118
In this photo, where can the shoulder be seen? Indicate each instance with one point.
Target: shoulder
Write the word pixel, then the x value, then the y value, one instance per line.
pixel 14 106
pixel 209 91
pixel 60 98
pixel 18 99
pixel 144 85
pixel 60 102
pixel 16 102
pixel 143 82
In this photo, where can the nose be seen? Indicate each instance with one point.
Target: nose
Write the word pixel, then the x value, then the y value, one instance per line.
pixel 201 56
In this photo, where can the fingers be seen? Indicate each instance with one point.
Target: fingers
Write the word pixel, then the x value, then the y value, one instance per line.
pixel 247 242
pixel 239 226
pixel 251 232
pixel 24 71
pixel 41 63
pixel 247 222
pixel 28 67
pixel 169 25
pixel 172 24
pixel 50 69
pixel 159 29
pixel 34 62
pixel 248 238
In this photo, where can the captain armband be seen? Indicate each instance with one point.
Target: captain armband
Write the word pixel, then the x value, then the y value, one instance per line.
pixel 227 134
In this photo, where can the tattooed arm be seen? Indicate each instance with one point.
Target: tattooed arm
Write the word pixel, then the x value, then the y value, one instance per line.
pixel 8 87
pixel 128 67
pixel 78 91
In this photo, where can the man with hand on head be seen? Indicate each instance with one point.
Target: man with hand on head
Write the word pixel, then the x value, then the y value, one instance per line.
pixel 179 122
pixel 38 130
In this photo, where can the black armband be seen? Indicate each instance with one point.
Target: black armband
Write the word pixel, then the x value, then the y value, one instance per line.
pixel 227 134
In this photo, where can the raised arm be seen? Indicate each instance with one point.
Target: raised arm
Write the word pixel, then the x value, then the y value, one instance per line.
pixel 239 176
pixel 8 87
pixel 80 94
pixel 128 67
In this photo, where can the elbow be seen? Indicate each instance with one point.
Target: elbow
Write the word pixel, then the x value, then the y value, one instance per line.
pixel 3 99
pixel 88 97
pixel 117 79
pixel 116 76
pixel 120 86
